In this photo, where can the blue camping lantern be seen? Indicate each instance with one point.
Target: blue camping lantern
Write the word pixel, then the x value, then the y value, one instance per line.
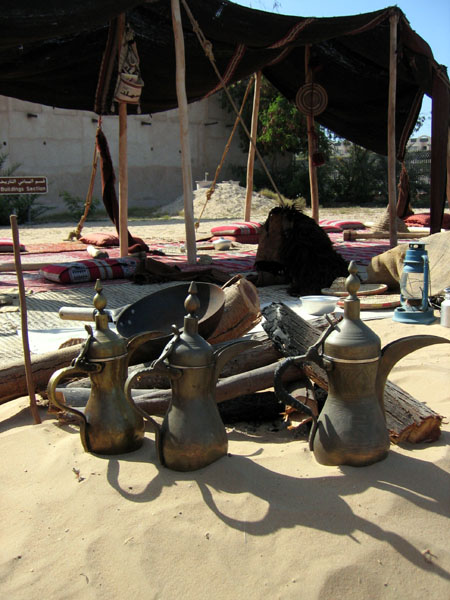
pixel 414 283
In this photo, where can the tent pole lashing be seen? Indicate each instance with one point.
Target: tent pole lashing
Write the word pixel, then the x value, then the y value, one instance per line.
pixel 207 47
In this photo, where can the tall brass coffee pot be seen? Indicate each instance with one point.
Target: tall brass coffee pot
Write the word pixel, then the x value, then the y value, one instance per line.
pixel 108 424
pixel 351 428
pixel 192 434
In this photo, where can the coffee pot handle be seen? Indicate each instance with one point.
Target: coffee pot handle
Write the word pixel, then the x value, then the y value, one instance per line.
pixel 284 396
pixel 158 365
pixel 56 378
pixel 153 424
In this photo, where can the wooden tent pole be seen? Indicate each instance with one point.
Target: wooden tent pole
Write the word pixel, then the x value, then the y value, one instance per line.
pixel 251 150
pixel 313 185
pixel 448 167
pixel 123 180
pixel 123 159
pixel 184 133
pixel 24 323
pixel 392 152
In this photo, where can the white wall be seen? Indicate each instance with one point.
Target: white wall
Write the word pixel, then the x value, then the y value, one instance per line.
pixel 59 144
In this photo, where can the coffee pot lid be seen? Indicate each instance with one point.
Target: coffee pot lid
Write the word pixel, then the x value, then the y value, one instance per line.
pixel 190 349
pixel 352 339
pixel 104 344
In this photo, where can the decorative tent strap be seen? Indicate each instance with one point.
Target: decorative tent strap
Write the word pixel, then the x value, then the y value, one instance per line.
pixel 129 81
pixel 207 47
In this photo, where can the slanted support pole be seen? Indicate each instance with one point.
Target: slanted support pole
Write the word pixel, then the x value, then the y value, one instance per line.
pixel 392 151
pixel 184 133
pixel 24 321
pixel 251 150
pixel 313 185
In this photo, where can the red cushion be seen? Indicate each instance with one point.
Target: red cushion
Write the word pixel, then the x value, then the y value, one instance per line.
pixel 342 224
pixel 243 228
pixel 423 220
pixel 90 270
pixel 331 228
pixel 6 245
pixel 98 238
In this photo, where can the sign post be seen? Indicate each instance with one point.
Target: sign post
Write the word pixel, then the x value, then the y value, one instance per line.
pixel 23 185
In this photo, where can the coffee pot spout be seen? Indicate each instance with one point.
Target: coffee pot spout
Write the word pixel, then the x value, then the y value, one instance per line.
pixel 395 351
pixel 228 351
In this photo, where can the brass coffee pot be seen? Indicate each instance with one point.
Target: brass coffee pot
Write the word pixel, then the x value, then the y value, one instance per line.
pixel 108 424
pixel 192 434
pixel 351 428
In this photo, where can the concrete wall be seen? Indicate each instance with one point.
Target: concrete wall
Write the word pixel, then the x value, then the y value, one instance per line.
pixel 59 144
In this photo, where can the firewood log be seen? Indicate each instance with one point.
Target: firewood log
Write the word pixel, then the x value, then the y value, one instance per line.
pixel 241 310
pixel 156 402
pixel 13 380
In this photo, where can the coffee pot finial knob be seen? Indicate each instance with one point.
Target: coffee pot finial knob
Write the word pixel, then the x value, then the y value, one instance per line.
pixel 99 299
pixel 192 303
pixel 352 283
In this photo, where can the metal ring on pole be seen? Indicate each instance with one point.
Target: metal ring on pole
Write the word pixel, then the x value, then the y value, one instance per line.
pixel 311 99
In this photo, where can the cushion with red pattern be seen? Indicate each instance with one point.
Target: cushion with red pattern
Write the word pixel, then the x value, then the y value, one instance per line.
pixel 244 228
pixel 341 224
pixel 423 220
pixel 90 270
pixel 6 245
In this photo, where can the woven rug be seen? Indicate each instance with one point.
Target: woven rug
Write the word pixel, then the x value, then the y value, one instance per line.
pixel 360 251
pixel 52 248
pixel 233 261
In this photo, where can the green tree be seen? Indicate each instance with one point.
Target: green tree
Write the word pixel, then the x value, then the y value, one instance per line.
pixel 281 135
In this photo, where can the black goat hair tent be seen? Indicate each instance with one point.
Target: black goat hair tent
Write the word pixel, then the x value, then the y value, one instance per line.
pixel 51 53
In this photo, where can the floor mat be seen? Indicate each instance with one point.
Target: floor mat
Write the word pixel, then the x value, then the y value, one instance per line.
pixel 237 261
pixel 233 261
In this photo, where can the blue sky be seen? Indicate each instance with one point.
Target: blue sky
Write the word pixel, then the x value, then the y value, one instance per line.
pixel 429 18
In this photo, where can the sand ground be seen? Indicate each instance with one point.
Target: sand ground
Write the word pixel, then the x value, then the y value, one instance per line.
pixel 265 522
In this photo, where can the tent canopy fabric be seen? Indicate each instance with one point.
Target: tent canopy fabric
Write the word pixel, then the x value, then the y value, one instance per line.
pixel 51 53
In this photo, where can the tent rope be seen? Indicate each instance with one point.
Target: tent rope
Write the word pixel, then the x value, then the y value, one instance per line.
pixel 210 192
pixel 76 233
pixel 208 49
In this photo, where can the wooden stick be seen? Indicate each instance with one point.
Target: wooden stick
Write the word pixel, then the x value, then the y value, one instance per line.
pixel 251 150
pixel 351 235
pixel 392 188
pixel 23 318
pixel 7 267
pixel 123 160
pixel 313 185
pixel 184 133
